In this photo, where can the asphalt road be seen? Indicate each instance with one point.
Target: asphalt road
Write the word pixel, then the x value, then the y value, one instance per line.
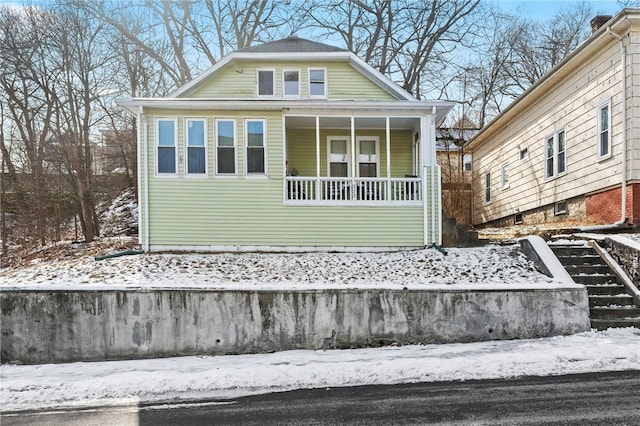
pixel 585 399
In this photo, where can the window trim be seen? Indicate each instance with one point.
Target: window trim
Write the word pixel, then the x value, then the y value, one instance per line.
pixel 235 147
pixel 347 155
pixel 557 210
pixel 556 155
pixel 273 82
pixel 157 146
pixel 284 94
pixel 264 173
pixel 599 154
pixel 487 187
pixel 467 166
pixel 504 173
pixel 324 95
pixel 376 139
pixel 204 146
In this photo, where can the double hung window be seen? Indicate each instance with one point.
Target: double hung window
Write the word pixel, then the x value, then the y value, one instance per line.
pixel 255 137
pixel 487 187
pixel 604 130
pixel 166 137
pixel 266 83
pixel 317 83
pixel 196 146
pixel 291 83
pixel 225 147
pixel 555 155
pixel 505 176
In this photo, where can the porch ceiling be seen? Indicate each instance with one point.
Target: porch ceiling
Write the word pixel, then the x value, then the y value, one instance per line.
pixel 309 122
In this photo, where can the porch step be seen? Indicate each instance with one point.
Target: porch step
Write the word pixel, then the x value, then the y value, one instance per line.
pixel 609 303
pixel 607 300
pixel 603 324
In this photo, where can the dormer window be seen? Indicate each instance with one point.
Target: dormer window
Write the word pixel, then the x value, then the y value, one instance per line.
pixel 291 83
pixel 266 83
pixel 317 83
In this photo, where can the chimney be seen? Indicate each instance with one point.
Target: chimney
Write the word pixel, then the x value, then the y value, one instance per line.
pixel 599 21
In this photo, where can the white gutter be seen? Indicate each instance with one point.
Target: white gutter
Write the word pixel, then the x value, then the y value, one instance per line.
pixel 625 142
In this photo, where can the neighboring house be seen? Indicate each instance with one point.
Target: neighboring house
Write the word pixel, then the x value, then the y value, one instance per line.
pixel 288 145
pixel 568 149
pixel 456 169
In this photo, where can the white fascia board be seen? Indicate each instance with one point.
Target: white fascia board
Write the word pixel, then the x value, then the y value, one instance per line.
pixel 386 107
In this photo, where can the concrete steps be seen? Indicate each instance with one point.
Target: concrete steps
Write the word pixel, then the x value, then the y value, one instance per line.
pixel 609 303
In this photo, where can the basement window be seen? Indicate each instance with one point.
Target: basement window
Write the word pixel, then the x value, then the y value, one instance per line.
pixel 560 208
pixel 517 219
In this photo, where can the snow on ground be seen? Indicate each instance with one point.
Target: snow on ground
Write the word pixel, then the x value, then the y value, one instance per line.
pixel 489 265
pixel 130 382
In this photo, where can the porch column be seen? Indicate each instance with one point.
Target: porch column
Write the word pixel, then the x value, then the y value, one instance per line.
pixel 388 147
pixel 353 147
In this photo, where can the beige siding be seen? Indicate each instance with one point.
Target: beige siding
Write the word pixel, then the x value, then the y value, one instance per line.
pixel 570 105
pixel 238 81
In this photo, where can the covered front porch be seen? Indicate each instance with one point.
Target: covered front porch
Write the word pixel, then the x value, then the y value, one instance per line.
pixel 356 159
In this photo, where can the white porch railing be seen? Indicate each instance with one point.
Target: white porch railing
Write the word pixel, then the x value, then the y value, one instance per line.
pixel 305 190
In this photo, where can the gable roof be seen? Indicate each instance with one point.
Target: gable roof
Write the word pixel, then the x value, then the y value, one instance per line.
pixel 292 44
pixel 615 27
pixel 297 49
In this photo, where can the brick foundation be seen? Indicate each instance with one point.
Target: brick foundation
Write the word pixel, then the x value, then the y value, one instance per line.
pixel 605 207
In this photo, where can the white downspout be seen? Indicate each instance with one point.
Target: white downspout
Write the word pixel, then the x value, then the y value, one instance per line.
pixel 145 147
pixel 623 191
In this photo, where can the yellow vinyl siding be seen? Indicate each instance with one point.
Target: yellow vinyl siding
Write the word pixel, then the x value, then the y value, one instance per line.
pixel 301 150
pixel 238 81
pixel 250 211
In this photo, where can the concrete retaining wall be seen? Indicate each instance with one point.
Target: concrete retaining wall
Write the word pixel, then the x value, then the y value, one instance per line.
pixel 62 326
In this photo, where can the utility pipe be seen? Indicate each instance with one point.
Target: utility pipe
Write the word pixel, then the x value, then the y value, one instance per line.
pixel 623 191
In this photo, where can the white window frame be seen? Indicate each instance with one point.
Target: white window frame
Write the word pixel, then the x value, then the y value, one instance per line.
pixel 376 139
pixel 273 82
pixel 347 155
pixel 487 187
pixel 555 139
pixel 467 162
pixel 246 147
pixel 560 208
pixel 324 95
pixel 602 156
pixel 504 176
pixel 187 120
pixel 157 145
pixel 235 147
pixel 284 85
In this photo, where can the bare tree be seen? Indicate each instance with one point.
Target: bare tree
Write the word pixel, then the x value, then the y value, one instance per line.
pixel 403 39
pixel 27 87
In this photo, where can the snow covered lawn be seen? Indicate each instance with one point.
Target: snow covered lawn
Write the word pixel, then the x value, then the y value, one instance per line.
pixel 130 382
pixel 489 265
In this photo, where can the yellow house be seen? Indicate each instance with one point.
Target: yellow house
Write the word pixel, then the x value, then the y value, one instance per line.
pixel 289 145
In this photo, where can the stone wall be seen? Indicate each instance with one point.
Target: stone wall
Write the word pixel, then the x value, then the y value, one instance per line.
pixel 627 257
pixel 84 325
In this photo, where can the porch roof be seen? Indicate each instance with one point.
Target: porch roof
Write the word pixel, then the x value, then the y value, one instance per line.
pixel 312 107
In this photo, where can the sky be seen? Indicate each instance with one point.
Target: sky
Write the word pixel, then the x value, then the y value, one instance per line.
pixel 542 9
